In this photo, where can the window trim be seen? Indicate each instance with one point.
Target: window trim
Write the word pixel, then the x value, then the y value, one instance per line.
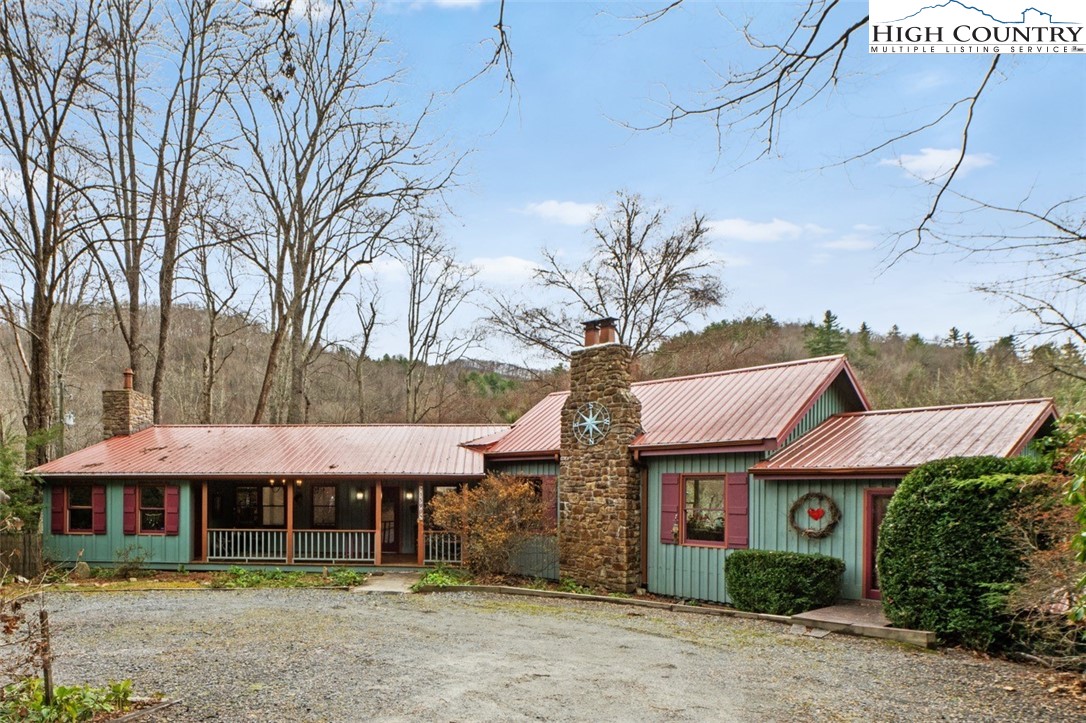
pixel 68 529
pixel 140 509
pixel 715 544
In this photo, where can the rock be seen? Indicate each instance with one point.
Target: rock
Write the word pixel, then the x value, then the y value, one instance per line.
pixel 81 571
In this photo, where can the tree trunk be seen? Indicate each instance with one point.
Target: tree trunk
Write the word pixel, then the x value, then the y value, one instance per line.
pixel 39 417
pixel 298 363
pixel 270 371
pixel 166 276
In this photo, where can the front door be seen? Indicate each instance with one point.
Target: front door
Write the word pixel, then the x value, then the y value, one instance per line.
pixel 876 501
pixel 390 519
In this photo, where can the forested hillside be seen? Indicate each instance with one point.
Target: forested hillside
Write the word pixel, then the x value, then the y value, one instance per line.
pixel 895 368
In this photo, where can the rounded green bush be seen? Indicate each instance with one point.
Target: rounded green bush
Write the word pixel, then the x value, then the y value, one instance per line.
pixel 782 583
pixel 946 551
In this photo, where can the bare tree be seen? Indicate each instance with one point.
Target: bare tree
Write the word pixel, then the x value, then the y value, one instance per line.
pixel 810 60
pixel 367 302
pixel 652 278
pixel 437 287
pixel 329 170
pixel 154 145
pixel 49 63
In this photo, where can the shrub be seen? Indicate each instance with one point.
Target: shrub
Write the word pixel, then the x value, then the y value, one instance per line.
pixel 496 518
pixel 946 552
pixel 346 577
pixel 130 559
pixel 442 576
pixel 782 583
pixel 25 700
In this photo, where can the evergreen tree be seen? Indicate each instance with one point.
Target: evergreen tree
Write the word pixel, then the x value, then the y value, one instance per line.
pixel 863 338
pixel 894 333
pixel 954 337
pixel 827 338
pixel 970 346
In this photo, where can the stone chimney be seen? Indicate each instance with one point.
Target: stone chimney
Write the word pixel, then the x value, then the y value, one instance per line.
pixel 125 411
pixel 599 533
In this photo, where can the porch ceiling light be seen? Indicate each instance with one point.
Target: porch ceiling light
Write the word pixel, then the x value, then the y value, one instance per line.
pixel 360 495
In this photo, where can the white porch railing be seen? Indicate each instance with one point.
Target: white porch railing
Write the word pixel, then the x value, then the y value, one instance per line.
pixel 333 546
pixel 441 547
pixel 247 545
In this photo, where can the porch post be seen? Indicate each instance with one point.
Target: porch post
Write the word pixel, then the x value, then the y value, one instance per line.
pixel 288 489
pixel 203 521
pixel 377 525
pixel 421 537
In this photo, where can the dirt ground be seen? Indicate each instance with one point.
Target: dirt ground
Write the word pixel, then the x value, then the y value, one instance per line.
pixel 326 655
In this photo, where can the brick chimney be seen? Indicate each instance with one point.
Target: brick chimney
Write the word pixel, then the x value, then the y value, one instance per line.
pixel 125 411
pixel 599 534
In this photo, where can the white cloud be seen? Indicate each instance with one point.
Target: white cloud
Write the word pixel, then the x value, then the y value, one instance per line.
pixel 849 242
pixel 504 269
pixel 741 229
pixel 931 163
pixel 569 213
pixel 864 228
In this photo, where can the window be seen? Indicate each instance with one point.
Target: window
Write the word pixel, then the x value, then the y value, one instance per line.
pixel 152 508
pixel 246 506
pixel 274 513
pixel 80 509
pixel 703 510
pixel 149 509
pixel 324 506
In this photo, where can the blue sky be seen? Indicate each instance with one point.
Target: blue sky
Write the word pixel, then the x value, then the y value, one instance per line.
pixel 798 233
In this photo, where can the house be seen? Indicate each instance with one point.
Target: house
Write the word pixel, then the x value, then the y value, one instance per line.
pixel 653 484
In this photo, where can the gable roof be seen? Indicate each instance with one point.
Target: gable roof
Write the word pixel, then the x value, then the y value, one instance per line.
pixel 894 441
pixel 756 406
pixel 229 451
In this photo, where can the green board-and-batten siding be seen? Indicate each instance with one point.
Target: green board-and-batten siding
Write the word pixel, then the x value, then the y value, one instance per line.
pixel 104 549
pixel 771 529
pixel 542 468
pixel 681 570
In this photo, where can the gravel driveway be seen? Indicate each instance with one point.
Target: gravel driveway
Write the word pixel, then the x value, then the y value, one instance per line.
pixel 325 655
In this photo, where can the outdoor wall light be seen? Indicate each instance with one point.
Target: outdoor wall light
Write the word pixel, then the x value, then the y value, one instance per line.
pixel 410 495
pixel 298 482
pixel 360 495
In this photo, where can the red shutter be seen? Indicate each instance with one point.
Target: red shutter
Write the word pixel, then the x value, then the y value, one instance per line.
pixel 98 509
pixel 129 510
pixel 549 488
pixel 669 507
pixel 173 508
pixel 737 508
pixel 56 511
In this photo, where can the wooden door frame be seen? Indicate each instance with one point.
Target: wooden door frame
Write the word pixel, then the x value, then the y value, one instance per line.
pixel 871 538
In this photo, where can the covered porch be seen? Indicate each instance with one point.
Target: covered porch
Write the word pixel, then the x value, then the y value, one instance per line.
pixel 304 521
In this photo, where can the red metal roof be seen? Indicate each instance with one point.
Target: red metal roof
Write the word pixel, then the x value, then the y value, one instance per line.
pixel 756 406
pixel 219 451
pixel 895 441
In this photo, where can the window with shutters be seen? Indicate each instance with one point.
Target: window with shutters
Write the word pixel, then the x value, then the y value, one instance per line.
pixel 80 509
pixel 152 509
pixel 703 510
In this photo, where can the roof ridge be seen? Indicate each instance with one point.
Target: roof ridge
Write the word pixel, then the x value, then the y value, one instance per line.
pixel 945 407
pixel 760 367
